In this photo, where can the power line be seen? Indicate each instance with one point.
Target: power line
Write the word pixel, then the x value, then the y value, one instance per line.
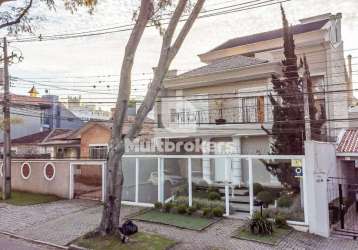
pixel 128 27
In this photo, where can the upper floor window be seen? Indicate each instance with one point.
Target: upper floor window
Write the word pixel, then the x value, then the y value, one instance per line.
pixel 98 152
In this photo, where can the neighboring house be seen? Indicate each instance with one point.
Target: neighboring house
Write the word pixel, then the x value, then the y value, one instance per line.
pixel 227 100
pixel 36 114
pixel 44 145
pixel 95 137
pixel 87 112
pixel 347 154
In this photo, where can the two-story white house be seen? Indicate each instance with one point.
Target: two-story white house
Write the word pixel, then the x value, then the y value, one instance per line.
pixel 227 99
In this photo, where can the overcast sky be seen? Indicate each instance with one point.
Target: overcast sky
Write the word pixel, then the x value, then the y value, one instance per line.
pixel 102 55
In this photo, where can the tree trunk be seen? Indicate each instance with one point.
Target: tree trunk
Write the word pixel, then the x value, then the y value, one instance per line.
pixel 111 211
pixel 114 175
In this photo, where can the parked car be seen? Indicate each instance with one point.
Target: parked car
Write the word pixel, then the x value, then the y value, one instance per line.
pixel 168 177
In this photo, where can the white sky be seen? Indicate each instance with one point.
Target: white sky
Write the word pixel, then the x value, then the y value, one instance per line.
pixel 102 55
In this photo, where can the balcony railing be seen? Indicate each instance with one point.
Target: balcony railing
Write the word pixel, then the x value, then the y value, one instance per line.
pixel 246 110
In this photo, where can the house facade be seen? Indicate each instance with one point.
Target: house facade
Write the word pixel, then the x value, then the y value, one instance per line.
pixel 48 144
pixel 227 100
pixel 32 114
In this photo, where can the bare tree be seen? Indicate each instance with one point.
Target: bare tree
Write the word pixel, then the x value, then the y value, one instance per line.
pixel 147 12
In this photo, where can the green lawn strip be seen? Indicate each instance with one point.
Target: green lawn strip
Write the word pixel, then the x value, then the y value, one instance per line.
pixel 279 234
pixel 177 220
pixel 138 241
pixel 25 199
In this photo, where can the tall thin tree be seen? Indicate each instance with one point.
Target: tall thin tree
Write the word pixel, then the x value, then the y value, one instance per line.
pixel 288 130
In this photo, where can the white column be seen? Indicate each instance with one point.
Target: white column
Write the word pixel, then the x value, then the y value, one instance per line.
pixel 236 163
pixel 206 161
pixel 190 187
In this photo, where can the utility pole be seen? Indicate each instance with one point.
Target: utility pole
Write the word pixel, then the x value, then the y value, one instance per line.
pixel 306 75
pixel 6 188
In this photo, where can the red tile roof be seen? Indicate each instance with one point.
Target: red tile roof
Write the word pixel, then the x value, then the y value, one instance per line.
pixel 41 137
pixel 31 139
pixel 349 142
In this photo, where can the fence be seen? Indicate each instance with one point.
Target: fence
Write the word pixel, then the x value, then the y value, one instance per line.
pixel 159 178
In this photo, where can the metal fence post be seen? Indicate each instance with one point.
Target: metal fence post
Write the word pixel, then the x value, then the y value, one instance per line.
pixel 159 179
pixel 227 194
pixel 190 184
pixel 136 180
pixel 251 187
pixel 341 205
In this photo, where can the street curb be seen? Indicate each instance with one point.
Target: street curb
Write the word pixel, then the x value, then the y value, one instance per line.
pixel 39 242
pixel 75 247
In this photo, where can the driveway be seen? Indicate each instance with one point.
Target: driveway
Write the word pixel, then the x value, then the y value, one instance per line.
pixel 62 222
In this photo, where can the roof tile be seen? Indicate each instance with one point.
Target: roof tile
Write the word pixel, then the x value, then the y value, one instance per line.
pixel 227 63
pixel 349 142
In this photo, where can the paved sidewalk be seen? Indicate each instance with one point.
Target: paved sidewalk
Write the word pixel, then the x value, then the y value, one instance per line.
pixel 62 222
pixel 8 243
pixel 59 222
pixel 218 237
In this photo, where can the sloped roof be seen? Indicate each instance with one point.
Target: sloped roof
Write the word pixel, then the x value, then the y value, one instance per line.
pixel 224 64
pixel 146 129
pixel 349 142
pixel 40 137
pixel 28 100
pixel 269 35
pixel 32 139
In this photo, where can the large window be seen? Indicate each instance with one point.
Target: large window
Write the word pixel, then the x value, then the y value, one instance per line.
pixel 98 151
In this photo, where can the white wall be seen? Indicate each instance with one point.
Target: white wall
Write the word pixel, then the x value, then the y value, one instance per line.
pixel 320 163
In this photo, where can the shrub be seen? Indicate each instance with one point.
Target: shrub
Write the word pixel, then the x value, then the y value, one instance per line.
pixel 158 205
pixel 191 210
pixel 218 211
pixel 182 189
pixel 199 203
pixel 266 197
pixel 181 209
pixel 281 220
pixel 284 201
pixel 213 196
pixel 257 188
pixel 260 225
pixel 167 207
pixel 207 212
pixel 212 189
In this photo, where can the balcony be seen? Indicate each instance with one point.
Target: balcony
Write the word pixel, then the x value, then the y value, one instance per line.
pixel 248 110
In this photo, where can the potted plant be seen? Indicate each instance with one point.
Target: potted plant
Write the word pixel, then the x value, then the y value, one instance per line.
pixel 220 120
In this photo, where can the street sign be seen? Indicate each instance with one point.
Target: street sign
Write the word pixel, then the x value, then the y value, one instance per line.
pixel 298 172
pixel 296 163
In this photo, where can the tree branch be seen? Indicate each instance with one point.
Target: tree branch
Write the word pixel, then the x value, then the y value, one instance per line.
pixel 168 53
pixel 20 16
pixel 145 13
pixel 186 28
